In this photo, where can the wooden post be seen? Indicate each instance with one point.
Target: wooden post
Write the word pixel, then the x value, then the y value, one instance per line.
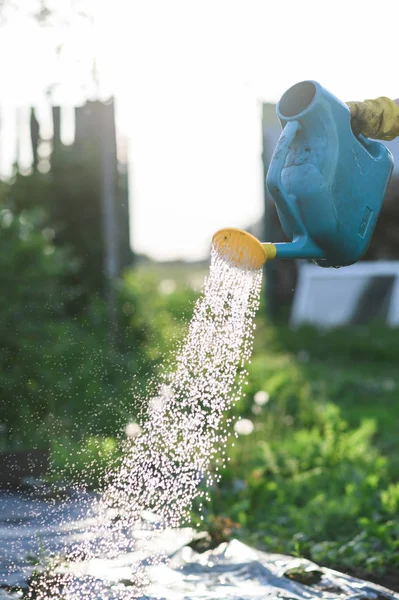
pixel 108 196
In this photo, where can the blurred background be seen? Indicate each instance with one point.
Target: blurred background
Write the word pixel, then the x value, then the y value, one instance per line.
pixel 129 133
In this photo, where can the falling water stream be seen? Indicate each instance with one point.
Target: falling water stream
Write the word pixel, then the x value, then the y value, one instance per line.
pixel 184 430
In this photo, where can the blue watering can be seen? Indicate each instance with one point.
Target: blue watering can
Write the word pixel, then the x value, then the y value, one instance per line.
pixel 328 185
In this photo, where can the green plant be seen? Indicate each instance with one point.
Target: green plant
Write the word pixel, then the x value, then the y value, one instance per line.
pixel 318 475
pixel 32 301
pixel 60 375
pixel 160 318
pixel 87 461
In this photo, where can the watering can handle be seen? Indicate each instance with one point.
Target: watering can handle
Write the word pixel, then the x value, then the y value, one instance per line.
pixel 288 208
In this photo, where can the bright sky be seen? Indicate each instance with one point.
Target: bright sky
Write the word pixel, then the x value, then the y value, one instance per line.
pixel 189 77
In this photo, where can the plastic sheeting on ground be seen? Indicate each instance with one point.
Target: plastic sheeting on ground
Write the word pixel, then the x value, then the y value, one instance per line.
pixel 231 571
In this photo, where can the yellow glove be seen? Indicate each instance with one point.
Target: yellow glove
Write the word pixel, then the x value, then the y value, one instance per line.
pixel 377 119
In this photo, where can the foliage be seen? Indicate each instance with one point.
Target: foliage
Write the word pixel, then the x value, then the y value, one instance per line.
pixel 61 375
pixel 318 476
pixel 85 462
pixel 160 317
pixel 106 390
pixel 32 299
pixel 219 529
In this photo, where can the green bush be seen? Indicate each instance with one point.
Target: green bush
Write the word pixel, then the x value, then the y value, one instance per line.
pixel 160 319
pixel 60 374
pixel 32 301
pixel 318 475
pixel 85 462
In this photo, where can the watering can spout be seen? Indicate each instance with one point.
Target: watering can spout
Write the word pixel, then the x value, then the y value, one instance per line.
pixel 328 185
pixel 242 249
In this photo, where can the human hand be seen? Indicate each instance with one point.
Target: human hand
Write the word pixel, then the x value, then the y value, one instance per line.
pixel 377 119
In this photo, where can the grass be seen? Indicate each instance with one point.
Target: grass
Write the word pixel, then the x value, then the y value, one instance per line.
pixel 319 475
pixel 354 368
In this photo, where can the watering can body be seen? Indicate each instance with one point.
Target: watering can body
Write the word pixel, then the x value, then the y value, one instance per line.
pixel 328 184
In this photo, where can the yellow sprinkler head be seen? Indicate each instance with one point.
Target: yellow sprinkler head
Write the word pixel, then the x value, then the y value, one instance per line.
pixel 242 249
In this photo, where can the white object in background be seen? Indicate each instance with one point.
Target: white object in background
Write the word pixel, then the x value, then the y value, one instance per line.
pixel 331 297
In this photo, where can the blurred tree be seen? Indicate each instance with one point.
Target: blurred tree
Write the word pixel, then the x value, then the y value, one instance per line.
pixel 74 208
pixel 69 195
pixel 34 134
pixel 86 200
